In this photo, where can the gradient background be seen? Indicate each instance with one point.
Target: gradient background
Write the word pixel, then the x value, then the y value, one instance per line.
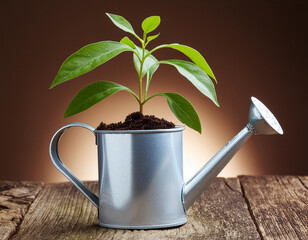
pixel 255 48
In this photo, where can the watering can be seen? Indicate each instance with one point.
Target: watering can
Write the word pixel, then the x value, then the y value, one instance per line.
pixel 141 182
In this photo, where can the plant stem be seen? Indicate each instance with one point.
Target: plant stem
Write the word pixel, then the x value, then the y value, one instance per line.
pixel 145 100
pixel 154 49
pixel 140 92
pixel 138 38
pixel 140 80
pixel 141 108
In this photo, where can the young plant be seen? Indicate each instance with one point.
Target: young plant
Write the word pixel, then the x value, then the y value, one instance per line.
pixel 91 56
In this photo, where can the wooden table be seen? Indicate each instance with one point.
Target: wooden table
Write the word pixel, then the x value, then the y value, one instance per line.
pixel 270 207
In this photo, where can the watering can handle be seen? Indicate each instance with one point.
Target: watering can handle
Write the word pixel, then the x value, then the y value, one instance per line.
pixel 54 155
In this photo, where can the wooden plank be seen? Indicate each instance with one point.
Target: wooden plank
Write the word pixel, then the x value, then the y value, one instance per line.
pixel 279 205
pixel 304 181
pixel 61 212
pixel 15 199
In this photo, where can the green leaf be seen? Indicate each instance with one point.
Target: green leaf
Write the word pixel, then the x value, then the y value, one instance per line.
pixel 88 58
pixel 91 95
pixel 194 55
pixel 150 24
pixel 196 76
pixel 151 38
pixel 128 42
pixel 150 73
pixel 121 22
pixel 183 110
pixel 148 62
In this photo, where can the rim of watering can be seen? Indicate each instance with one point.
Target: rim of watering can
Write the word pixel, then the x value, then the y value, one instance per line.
pixel 177 128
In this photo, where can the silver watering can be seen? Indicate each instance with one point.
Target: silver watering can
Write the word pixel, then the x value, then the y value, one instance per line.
pixel 141 172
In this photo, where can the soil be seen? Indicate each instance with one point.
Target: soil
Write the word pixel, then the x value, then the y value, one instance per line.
pixel 138 121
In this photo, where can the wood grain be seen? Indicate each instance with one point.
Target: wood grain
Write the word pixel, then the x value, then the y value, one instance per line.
pixel 279 205
pixel 304 180
pixel 61 212
pixel 15 199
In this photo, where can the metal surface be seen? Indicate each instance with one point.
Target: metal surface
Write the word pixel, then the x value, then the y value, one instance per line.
pixel 197 184
pixel 54 155
pixel 260 121
pixel 263 121
pixel 141 172
pixel 140 177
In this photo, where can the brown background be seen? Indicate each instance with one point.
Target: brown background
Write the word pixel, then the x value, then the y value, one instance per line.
pixel 255 48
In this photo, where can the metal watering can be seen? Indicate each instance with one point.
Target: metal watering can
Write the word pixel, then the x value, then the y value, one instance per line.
pixel 141 172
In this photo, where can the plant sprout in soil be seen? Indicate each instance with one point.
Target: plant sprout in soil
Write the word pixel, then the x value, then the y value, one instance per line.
pixel 93 55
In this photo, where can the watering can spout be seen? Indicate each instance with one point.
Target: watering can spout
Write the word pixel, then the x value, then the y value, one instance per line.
pixel 261 121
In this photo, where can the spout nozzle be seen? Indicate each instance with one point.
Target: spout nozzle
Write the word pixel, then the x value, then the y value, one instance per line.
pixel 262 120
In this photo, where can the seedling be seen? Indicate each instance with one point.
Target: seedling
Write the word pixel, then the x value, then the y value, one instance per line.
pixel 91 56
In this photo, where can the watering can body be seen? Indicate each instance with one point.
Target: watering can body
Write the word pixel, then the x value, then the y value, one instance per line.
pixel 141 172
pixel 140 177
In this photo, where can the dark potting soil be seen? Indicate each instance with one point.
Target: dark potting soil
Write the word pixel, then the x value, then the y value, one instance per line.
pixel 138 121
